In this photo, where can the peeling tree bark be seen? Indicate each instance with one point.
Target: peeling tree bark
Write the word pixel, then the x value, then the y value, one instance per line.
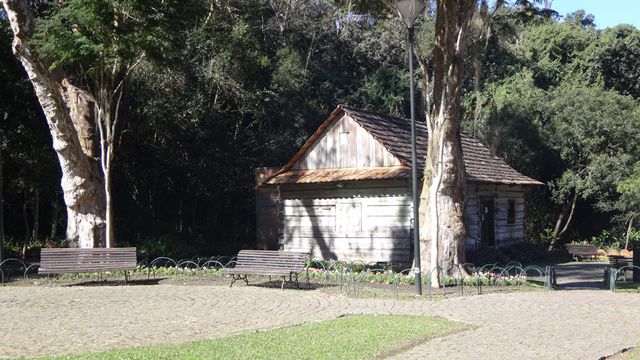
pixel 442 201
pixel 69 113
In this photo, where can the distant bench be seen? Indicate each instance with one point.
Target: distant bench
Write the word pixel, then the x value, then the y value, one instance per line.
pixel 582 251
pixel 77 260
pixel 268 263
pixel 617 262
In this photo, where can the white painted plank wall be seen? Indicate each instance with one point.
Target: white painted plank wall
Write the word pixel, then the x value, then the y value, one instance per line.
pixel 362 224
pixel 320 221
pixel 345 144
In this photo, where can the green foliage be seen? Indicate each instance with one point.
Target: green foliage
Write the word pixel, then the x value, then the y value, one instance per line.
pixel 617 54
pixel 165 245
pixel 629 189
pixel 95 35
pixel 547 236
pixel 606 240
pixel 557 52
pixel 349 337
pixel 597 135
pixel 384 88
pixel 554 107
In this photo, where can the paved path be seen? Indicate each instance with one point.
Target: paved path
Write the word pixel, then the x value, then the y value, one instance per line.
pixel 546 325
pixel 542 325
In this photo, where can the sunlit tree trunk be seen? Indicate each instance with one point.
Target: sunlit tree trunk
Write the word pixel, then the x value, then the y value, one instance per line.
pixel 629 229
pixel 69 113
pixel 442 201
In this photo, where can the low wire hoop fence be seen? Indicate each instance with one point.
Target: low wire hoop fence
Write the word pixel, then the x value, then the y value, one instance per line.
pixel 352 278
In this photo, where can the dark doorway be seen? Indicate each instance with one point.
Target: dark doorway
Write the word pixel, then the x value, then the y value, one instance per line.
pixel 487 223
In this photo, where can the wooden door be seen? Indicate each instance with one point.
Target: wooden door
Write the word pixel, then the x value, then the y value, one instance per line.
pixel 487 223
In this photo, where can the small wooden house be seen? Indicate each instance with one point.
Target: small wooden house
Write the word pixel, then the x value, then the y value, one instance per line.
pixel 347 194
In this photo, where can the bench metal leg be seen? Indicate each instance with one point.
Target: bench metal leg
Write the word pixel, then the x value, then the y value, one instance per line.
pixel 235 278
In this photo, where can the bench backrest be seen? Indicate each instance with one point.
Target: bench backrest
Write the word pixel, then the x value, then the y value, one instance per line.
pixel 620 261
pixel 272 259
pixel 582 249
pixel 76 260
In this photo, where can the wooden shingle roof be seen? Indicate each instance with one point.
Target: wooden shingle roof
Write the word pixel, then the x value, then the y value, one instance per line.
pixel 394 134
pixel 306 176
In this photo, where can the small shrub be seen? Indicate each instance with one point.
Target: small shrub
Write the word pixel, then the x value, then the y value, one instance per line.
pixel 607 240
pixel 547 236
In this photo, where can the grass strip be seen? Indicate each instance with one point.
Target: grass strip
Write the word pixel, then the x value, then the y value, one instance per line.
pixel 348 337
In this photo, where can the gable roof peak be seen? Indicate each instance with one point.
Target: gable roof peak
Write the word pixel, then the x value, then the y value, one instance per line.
pixel 394 133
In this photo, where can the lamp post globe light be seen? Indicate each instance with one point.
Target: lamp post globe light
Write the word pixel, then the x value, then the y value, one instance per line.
pixel 409 10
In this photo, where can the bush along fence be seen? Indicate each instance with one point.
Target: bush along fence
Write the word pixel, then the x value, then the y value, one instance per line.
pixel 350 276
pixel 465 279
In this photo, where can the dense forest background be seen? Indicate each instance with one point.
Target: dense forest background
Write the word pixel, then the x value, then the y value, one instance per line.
pixel 554 96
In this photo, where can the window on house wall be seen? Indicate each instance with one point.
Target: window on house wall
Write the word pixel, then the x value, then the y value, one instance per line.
pixel 511 212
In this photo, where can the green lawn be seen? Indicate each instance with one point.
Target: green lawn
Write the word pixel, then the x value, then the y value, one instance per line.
pixel 349 337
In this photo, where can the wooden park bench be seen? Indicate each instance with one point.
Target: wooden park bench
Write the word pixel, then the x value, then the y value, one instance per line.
pixel 617 262
pixel 582 251
pixel 76 260
pixel 268 263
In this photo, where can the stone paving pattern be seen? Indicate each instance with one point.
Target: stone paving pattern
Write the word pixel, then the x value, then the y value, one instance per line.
pixel 576 324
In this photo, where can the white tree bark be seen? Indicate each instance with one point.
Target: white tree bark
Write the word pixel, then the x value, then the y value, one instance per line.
pixel 442 201
pixel 69 115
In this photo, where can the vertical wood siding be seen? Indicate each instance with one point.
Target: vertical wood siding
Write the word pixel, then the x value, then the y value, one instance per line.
pixel 345 144
pixel 506 234
pixel 371 225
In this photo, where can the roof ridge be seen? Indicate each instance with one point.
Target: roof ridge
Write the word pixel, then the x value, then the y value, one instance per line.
pixel 348 108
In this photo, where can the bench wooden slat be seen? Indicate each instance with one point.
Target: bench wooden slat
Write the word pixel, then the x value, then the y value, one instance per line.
pixel 579 251
pixel 76 260
pixel 269 262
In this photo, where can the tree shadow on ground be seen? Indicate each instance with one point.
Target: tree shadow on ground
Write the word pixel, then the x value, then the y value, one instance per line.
pixel 276 284
pixel 116 282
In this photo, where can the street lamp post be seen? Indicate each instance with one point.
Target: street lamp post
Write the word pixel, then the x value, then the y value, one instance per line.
pixel 409 10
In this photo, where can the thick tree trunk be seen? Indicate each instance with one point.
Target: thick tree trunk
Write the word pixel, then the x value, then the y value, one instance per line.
pixel 69 115
pixel 442 201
